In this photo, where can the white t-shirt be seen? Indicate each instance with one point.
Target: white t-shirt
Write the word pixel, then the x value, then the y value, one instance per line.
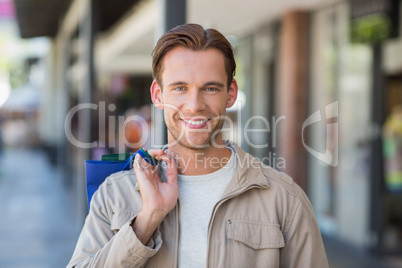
pixel 197 197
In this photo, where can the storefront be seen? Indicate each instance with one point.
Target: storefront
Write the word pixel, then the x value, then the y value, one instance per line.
pixel 350 196
pixel 342 127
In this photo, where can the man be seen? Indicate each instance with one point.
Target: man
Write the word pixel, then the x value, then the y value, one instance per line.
pixel 209 204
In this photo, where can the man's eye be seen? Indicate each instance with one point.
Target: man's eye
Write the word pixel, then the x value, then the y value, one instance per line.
pixel 210 89
pixel 179 88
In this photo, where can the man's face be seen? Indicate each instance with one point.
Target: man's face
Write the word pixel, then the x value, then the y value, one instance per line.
pixel 194 96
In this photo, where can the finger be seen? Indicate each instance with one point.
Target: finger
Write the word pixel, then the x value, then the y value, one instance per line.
pixel 157 153
pixel 171 170
pixel 142 170
pixel 144 165
pixel 138 167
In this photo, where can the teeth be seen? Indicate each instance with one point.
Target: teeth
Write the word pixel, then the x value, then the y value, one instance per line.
pixel 198 122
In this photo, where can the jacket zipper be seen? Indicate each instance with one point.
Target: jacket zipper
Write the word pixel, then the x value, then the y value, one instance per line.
pixel 216 207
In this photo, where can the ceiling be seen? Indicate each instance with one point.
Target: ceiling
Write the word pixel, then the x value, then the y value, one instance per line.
pixel 42 17
pixel 239 17
pixel 127 46
pixel 128 50
pixel 39 17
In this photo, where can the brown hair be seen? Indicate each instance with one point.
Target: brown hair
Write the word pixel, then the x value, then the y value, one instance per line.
pixel 195 37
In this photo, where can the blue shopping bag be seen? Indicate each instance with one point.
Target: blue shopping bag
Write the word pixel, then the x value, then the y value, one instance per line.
pixel 97 171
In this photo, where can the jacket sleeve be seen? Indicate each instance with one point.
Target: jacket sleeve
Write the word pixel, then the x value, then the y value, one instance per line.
pixel 99 246
pixel 303 242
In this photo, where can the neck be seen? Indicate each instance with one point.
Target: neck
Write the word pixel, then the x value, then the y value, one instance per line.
pixel 200 161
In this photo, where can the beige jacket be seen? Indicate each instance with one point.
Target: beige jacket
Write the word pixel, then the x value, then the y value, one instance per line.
pixel 263 220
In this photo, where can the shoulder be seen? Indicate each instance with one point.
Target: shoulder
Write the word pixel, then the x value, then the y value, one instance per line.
pixel 290 196
pixel 119 191
pixel 281 181
pixel 291 202
pixel 121 181
pixel 121 177
pixel 278 187
pixel 283 186
pixel 273 195
pixel 256 171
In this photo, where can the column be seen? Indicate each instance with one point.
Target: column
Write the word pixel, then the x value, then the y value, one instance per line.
pixel 292 93
pixel 174 14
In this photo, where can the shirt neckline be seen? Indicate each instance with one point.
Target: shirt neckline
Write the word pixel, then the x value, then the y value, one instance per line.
pixel 208 177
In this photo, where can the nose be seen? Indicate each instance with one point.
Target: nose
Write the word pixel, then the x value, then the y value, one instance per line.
pixel 195 101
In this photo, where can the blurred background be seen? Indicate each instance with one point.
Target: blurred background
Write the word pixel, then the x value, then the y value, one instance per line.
pixel 321 80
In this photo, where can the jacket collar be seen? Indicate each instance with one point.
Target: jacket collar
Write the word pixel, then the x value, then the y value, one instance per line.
pixel 250 171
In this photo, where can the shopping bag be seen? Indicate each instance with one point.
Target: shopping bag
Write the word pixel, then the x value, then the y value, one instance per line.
pixel 96 171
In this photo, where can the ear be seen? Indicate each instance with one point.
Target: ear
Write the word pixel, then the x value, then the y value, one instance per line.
pixel 232 94
pixel 156 95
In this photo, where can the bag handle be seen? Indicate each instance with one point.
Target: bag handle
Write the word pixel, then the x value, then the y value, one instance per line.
pixel 144 154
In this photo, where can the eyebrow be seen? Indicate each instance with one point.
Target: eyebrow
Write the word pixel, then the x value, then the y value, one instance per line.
pixel 210 83
pixel 178 83
pixel 214 83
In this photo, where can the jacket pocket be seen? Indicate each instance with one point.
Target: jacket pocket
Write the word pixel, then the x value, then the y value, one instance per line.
pixel 120 217
pixel 253 244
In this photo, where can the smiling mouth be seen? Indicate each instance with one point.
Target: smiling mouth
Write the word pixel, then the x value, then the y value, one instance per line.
pixel 195 122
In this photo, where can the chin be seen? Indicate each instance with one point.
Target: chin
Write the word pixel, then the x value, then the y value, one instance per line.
pixel 196 144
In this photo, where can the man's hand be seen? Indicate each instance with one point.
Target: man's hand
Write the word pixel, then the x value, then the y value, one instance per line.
pixel 158 198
